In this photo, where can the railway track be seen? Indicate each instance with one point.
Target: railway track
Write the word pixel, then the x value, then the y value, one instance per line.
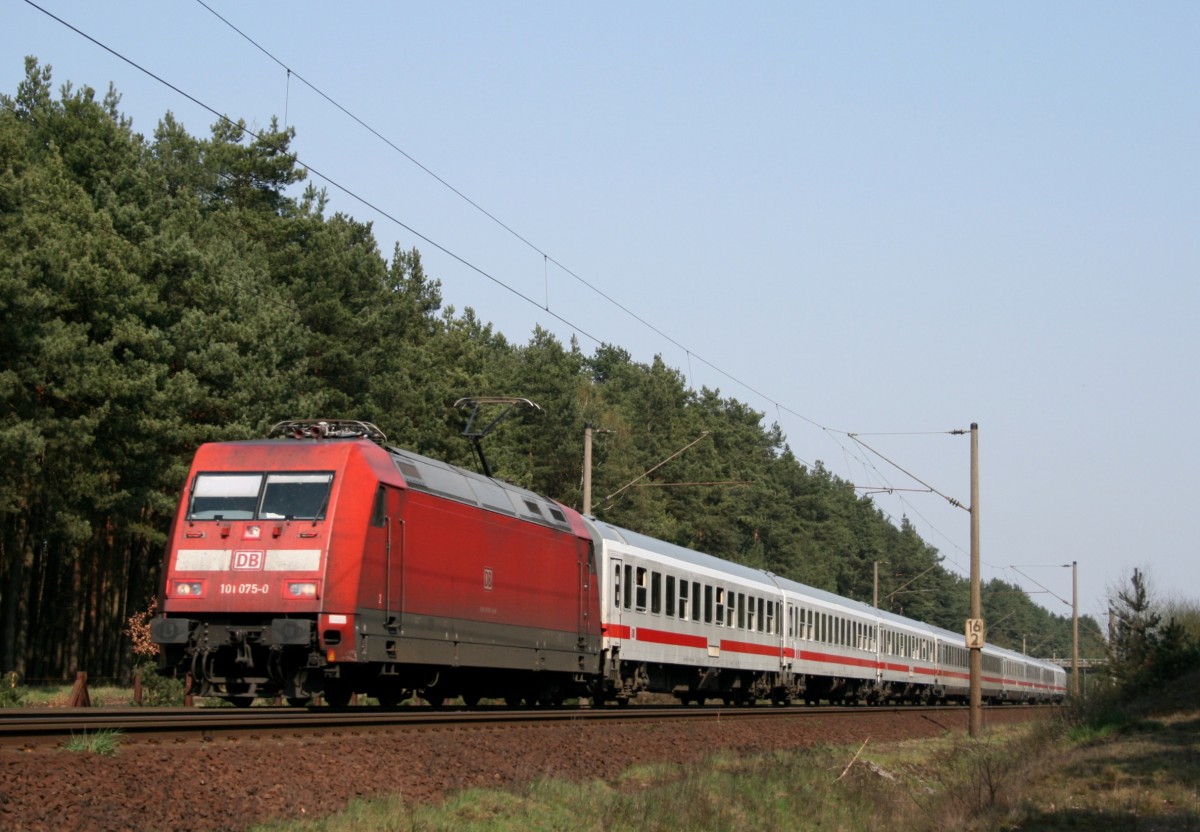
pixel 42 728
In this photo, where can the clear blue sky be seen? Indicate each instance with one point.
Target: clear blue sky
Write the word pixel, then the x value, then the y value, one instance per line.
pixel 872 217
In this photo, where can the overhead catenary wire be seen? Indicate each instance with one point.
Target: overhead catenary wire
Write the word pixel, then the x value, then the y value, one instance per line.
pixel 832 433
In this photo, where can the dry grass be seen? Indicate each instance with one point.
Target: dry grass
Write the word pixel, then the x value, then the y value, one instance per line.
pixel 1147 776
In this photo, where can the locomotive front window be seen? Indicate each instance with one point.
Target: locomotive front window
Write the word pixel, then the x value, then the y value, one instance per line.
pixel 295 496
pixel 275 496
pixel 225 496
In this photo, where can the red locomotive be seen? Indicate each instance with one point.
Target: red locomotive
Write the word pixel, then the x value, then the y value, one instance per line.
pixel 326 563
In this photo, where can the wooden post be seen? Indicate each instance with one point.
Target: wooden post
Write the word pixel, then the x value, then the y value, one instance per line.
pixel 79 693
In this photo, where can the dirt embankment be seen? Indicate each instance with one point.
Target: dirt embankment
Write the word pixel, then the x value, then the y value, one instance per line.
pixel 230 785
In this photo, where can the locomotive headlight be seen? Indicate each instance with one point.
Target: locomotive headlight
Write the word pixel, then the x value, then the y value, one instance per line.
pixel 188 589
pixel 301 589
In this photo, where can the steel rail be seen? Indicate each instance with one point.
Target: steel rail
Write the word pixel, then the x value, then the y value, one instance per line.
pixel 25 727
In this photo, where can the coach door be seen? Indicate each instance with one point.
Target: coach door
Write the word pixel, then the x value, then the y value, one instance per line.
pixel 617 600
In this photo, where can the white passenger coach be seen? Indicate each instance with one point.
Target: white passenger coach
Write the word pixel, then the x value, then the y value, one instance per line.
pixel 682 622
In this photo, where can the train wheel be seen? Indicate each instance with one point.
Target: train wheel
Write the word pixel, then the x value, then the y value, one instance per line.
pixel 337 696
pixel 435 698
pixel 389 698
pixel 298 701
pixel 471 700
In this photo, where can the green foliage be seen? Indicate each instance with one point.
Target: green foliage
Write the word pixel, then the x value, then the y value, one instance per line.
pixel 11 692
pixel 158 690
pixel 1145 651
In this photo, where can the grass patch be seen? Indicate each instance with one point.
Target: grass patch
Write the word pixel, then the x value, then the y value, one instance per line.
pixel 929 785
pixel 59 696
pixel 105 742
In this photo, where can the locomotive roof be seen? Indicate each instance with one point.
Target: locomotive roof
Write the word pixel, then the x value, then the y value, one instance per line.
pixel 426 474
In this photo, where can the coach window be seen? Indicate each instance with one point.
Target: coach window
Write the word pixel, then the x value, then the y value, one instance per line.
pixel 720 617
pixel 771 617
pixel 741 605
pixel 696 601
pixel 656 592
pixel 670 595
pixel 628 587
pixel 641 588
pixel 683 600
pixel 708 604
pixel 762 616
pixel 750 612
pixel 731 610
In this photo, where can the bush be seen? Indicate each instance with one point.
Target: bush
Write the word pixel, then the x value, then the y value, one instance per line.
pixel 158 690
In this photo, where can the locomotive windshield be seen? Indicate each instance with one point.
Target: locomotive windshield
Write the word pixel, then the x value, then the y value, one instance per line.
pixel 270 496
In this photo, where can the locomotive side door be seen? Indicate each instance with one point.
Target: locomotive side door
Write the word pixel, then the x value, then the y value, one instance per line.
pixel 385 546
pixel 587 586
pixel 394 609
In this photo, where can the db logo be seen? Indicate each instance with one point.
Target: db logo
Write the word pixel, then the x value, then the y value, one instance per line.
pixel 248 560
pixel 487 579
